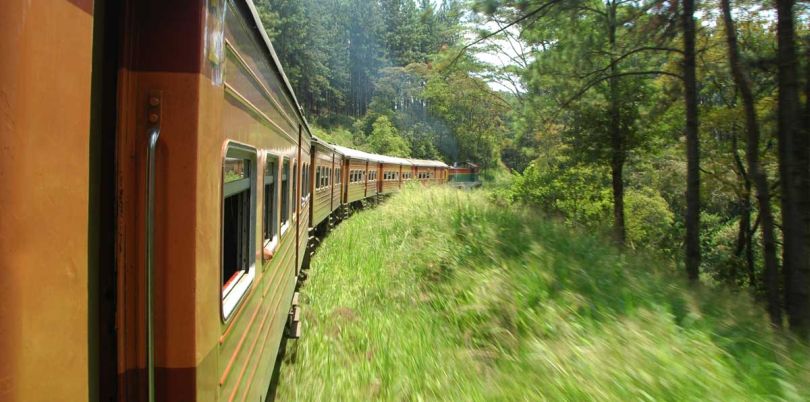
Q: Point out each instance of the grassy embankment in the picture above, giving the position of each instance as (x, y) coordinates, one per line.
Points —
(445, 295)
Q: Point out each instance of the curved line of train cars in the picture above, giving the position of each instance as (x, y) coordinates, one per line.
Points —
(159, 186)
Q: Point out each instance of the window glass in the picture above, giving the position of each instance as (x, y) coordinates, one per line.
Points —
(294, 188)
(238, 221)
(285, 192)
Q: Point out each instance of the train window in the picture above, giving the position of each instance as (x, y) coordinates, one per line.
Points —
(285, 193)
(270, 199)
(294, 189)
(321, 176)
(238, 221)
(322, 181)
(317, 177)
(308, 180)
(303, 183)
(337, 176)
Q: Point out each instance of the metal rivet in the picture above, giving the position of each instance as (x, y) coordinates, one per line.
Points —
(154, 101)
(153, 118)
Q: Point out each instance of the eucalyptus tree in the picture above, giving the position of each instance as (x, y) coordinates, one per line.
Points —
(743, 83)
(794, 172)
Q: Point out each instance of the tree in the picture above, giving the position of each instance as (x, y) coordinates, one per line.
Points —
(794, 175)
(385, 140)
(692, 141)
(742, 81)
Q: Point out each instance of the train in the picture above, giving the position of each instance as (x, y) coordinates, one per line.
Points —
(161, 188)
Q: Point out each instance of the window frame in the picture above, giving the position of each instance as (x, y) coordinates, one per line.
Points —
(232, 295)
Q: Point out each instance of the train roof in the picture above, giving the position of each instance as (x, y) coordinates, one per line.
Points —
(425, 162)
(320, 142)
(394, 160)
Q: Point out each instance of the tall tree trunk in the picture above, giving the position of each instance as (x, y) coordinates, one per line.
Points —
(791, 156)
(745, 234)
(617, 158)
(692, 143)
(741, 79)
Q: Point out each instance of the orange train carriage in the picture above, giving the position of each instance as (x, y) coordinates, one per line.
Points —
(161, 182)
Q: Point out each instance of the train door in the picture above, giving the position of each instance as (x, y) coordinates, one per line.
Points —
(103, 357)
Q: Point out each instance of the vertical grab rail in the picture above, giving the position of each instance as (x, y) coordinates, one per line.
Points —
(152, 139)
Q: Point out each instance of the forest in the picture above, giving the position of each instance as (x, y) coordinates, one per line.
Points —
(680, 130)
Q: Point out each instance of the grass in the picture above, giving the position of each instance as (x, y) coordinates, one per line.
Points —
(447, 295)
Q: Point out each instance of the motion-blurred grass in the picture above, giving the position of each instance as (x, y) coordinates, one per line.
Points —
(446, 295)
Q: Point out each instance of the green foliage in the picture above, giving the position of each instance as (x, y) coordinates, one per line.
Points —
(443, 295)
(577, 192)
(335, 135)
(385, 139)
(649, 220)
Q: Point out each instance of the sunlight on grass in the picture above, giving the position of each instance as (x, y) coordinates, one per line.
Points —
(444, 294)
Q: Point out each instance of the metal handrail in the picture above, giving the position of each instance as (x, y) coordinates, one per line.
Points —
(152, 138)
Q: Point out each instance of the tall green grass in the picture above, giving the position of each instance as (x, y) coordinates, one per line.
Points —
(446, 295)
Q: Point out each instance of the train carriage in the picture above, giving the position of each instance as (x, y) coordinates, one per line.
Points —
(356, 165)
(372, 176)
(323, 167)
(430, 172)
(337, 181)
(392, 171)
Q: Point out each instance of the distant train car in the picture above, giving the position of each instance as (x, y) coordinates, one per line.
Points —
(429, 172)
(464, 175)
(392, 173)
(323, 170)
(355, 165)
(162, 182)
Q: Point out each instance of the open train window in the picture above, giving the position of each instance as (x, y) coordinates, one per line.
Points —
(294, 188)
(304, 183)
(285, 194)
(337, 176)
(322, 181)
(238, 221)
(270, 200)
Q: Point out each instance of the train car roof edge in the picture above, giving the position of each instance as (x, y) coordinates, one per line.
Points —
(277, 64)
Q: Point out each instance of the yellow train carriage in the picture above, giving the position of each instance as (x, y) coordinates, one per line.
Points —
(393, 171)
(357, 165)
(323, 171)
